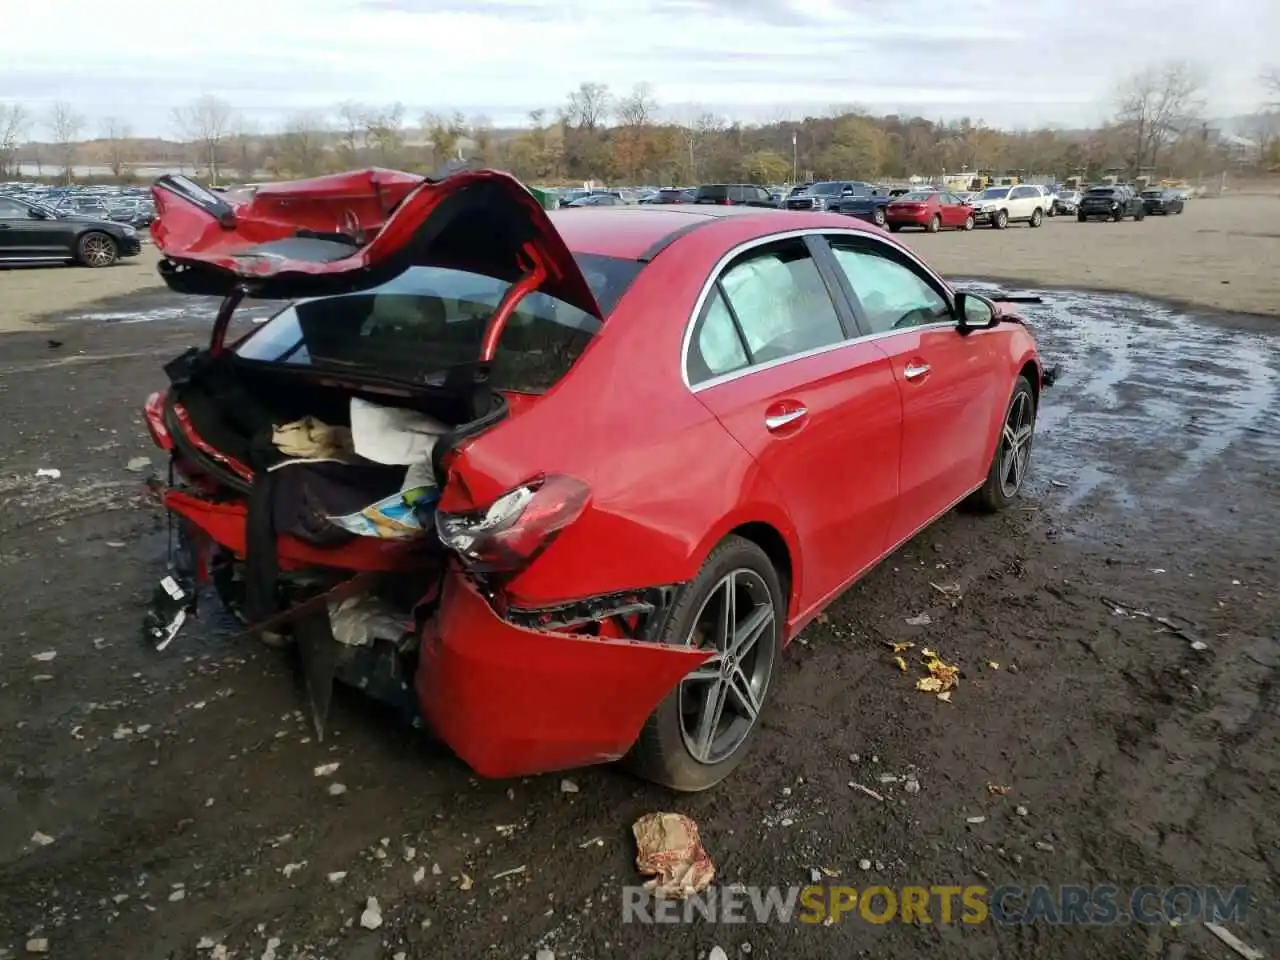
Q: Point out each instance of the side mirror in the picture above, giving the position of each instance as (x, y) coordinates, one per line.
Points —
(975, 312)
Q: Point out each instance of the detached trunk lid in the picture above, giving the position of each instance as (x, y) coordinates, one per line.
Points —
(358, 230)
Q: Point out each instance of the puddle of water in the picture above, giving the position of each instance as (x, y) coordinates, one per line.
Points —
(1147, 400)
(201, 310)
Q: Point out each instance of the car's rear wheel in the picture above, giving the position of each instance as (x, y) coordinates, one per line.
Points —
(1037, 217)
(935, 224)
(97, 250)
(1140, 215)
(878, 217)
(1081, 217)
(701, 731)
(895, 227)
(1000, 219)
(969, 222)
(1012, 458)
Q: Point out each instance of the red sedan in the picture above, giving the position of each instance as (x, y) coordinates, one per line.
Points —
(930, 210)
(664, 440)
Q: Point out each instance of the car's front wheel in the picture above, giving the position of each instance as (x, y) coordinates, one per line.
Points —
(935, 224)
(1012, 458)
(1000, 219)
(969, 222)
(1080, 217)
(97, 250)
(1037, 218)
(735, 608)
(878, 216)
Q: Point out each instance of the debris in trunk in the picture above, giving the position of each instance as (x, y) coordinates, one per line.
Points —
(669, 850)
(1234, 942)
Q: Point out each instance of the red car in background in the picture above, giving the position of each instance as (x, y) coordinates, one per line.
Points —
(673, 435)
(931, 210)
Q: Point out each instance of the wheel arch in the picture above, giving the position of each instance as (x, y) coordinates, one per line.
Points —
(770, 528)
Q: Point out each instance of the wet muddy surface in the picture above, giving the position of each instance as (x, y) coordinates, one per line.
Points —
(1118, 633)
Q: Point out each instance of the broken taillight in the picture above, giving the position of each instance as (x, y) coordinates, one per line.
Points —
(507, 535)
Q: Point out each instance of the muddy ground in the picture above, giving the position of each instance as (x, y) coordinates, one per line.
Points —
(179, 790)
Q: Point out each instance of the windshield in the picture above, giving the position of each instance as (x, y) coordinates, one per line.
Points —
(1153, 193)
(1101, 191)
(995, 193)
(429, 320)
(916, 197)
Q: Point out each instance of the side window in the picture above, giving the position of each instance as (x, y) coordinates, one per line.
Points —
(781, 302)
(892, 295)
(762, 194)
(716, 348)
(769, 304)
(12, 210)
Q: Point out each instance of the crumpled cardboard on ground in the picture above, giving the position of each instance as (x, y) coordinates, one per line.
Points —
(669, 850)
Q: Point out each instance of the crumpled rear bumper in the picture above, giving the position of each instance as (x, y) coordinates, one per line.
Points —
(510, 701)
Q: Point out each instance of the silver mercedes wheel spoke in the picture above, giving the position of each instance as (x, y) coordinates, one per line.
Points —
(740, 686)
(709, 718)
(748, 632)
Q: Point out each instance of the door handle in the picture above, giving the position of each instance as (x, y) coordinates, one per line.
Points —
(779, 420)
(915, 371)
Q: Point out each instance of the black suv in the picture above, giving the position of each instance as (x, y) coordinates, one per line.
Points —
(734, 194)
(1110, 203)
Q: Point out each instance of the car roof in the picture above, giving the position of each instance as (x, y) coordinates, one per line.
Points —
(641, 232)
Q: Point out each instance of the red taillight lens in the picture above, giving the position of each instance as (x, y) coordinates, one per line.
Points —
(153, 413)
(508, 535)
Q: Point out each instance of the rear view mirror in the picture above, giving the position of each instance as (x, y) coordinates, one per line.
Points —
(975, 312)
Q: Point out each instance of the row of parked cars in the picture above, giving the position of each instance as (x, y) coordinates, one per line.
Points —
(928, 208)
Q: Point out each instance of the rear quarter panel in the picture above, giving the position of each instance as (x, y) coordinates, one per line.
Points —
(667, 480)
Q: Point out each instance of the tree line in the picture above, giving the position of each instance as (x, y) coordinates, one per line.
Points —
(1157, 126)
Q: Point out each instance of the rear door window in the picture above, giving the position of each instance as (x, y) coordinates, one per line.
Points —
(428, 320)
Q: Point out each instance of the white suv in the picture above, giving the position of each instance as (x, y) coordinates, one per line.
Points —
(1001, 206)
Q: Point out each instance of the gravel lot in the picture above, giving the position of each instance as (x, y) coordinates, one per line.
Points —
(179, 792)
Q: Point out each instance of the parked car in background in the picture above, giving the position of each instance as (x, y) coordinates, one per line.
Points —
(866, 202)
(597, 200)
(734, 194)
(1067, 201)
(805, 395)
(930, 210)
(826, 194)
(1162, 202)
(1001, 206)
(1110, 203)
(137, 213)
(673, 195)
(30, 233)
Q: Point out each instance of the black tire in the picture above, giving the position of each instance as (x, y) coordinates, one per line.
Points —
(877, 216)
(1118, 215)
(1037, 218)
(969, 222)
(895, 227)
(662, 752)
(1140, 216)
(1081, 217)
(935, 224)
(96, 249)
(1000, 219)
(996, 493)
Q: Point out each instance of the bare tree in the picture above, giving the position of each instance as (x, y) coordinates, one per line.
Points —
(14, 124)
(588, 106)
(698, 126)
(639, 107)
(384, 133)
(207, 121)
(245, 148)
(117, 145)
(1271, 82)
(1156, 105)
(352, 130)
(302, 144)
(66, 126)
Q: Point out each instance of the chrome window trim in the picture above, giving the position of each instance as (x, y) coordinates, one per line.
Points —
(747, 245)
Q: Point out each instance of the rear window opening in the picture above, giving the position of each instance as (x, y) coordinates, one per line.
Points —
(430, 320)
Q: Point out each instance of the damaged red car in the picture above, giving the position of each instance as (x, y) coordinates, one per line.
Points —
(562, 485)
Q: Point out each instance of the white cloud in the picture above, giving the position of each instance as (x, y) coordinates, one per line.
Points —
(761, 59)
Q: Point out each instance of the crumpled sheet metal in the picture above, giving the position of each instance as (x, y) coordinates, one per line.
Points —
(669, 851)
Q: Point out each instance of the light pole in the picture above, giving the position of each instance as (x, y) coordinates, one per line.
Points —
(794, 156)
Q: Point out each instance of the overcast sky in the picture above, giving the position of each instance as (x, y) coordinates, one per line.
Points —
(1043, 62)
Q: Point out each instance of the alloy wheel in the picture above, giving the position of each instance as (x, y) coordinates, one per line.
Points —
(878, 217)
(98, 251)
(720, 701)
(1015, 444)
